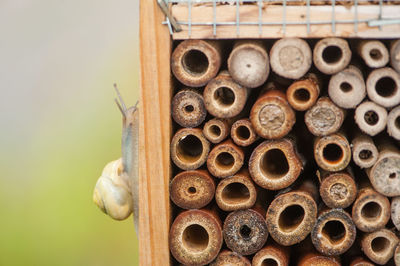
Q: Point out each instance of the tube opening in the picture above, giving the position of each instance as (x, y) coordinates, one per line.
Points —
(380, 244)
(189, 148)
(365, 155)
(225, 160)
(392, 175)
(346, 87)
(333, 153)
(291, 217)
(235, 193)
(192, 190)
(371, 118)
(269, 262)
(215, 131)
(397, 122)
(243, 132)
(245, 231)
(189, 108)
(375, 54)
(224, 96)
(332, 54)
(302, 95)
(274, 163)
(386, 87)
(195, 238)
(371, 210)
(335, 231)
(195, 62)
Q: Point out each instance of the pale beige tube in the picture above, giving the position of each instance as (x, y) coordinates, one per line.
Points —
(370, 118)
(373, 52)
(383, 87)
(331, 55)
(393, 123)
(365, 153)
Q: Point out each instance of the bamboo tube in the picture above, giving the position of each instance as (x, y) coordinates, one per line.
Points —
(397, 255)
(395, 212)
(365, 152)
(236, 192)
(227, 257)
(275, 164)
(347, 87)
(189, 148)
(271, 115)
(334, 232)
(242, 133)
(338, 190)
(395, 55)
(292, 215)
(383, 87)
(332, 152)
(291, 58)
(373, 52)
(248, 63)
(360, 261)
(379, 246)
(225, 159)
(272, 254)
(303, 93)
(223, 97)
(393, 123)
(370, 118)
(187, 108)
(195, 237)
(308, 256)
(192, 189)
(331, 55)
(324, 117)
(385, 174)
(195, 62)
(216, 130)
(245, 231)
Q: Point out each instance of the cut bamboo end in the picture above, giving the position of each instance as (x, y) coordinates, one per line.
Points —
(195, 62)
(365, 152)
(331, 55)
(338, 190)
(242, 133)
(334, 232)
(332, 153)
(303, 94)
(373, 52)
(324, 117)
(189, 148)
(291, 58)
(225, 159)
(192, 189)
(393, 123)
(383, 87)
(316, 259)
(195, 237)
(271, 115)
(371, 210)
(227, 257)
(223, 97)
(187, 108)
(347, 88)
(272, 255)
(216, 130)
(397, 256)
(395, 212)
(379, 246)
(370, 118)
(245, 231)
(395, 55)
(236, 193)
(248, 63)
(360, 261)
(275, 164)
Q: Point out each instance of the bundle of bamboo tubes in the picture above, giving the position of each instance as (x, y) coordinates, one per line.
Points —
(286, 152)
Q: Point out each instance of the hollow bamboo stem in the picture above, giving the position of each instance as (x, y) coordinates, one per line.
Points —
(373, 52)
(216, 130)
(272, 254)
(397, 256)
(225, 159)
(187, 108)
(243, 133)
(395, 55)
(302, 94)
(393, 123)
(395, 212)
(379, 246)
(370, 118)
(383, 87)
(227, 257)
(365, 152)
(360, 261)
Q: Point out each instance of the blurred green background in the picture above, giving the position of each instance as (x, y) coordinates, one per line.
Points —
(60, 126)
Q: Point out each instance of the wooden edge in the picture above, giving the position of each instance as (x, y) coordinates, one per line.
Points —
(154, 136)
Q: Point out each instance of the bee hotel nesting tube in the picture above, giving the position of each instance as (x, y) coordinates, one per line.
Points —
(187, 108)
(393, 123)
(242, 133)
(379, 246)
(373, 52)
(383, 87)
(272, 255)
(216, 130)
(225, 159)
(370, 118)
(303, 93)
(365, 152)
(227, 257)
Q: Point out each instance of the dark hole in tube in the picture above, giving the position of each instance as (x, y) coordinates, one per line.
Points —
(375, 54)
(192, 190)
(333, 153)
(269, 262)
(371, 118)
(397, 122)
(245, 231)
(346, 87)
(235, 192)
(334, 231)
(224, 96)
(380, 244)
(189, 108)
(189, 148)
(302, 95)
(243, 132)
(291, 218)
(195, 62)
(332, 54)
(274, 164)
(386, 87)
(225, 160)
(365, 154)
(195, 238)
(215, 131)
(371, 210)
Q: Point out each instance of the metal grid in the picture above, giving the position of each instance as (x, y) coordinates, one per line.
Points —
(379, 21)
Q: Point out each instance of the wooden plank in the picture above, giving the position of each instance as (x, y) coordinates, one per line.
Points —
(155, 128)
(274, 13)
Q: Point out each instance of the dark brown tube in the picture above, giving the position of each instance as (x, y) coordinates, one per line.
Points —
(303, 93)
(216, 130)
(370, 118)
(195, 62)
(393, 123)
(272, 255)
(192, 189)
(225, 159)
(187, 108)
(291, 57)
(292, 215)
(338, 190)
(324, 117)
(365, 152)
(195, 237)
(242, 133)
(248, 63)
(360, 261)
(245, 231)
(373, 52)
(347, 88)
(316, 259)
(189, 148)
(223, 97)
(275, 164)
(395, 212)
(332, 153)
(227, 257)
(331, 55)
(395, 55)
(379, 246)
(236, 193)
(334, 232)
(397, 255)
(383, 87)
(271, 115)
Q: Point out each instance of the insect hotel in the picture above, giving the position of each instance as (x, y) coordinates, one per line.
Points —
(269, 132)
